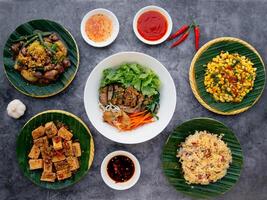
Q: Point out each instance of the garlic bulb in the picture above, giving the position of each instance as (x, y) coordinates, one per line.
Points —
(16, 109)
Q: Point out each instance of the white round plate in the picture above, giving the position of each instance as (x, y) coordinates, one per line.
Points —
(143, 133)
(115, 24)
(125, 185)
(164, 13)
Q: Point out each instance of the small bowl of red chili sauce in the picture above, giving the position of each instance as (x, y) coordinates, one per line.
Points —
(152, 25)
(99, 27)
(120, 170)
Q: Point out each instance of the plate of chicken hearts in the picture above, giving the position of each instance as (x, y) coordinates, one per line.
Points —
(55, 149)
(130, 97)
(40, 58)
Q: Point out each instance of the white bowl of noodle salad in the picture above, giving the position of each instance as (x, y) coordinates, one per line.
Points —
(164, 87)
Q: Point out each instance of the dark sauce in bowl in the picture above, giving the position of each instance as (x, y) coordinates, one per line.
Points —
(120, 168)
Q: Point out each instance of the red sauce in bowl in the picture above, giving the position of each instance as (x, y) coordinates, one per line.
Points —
(152, 25)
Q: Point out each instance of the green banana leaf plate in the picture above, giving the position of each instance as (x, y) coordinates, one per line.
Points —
(172, 168)
(197, 73)
(34, 90)
(80, 132)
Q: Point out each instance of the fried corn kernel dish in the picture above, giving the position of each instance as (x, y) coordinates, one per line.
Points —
(229, 77)
(54, 152)
(204, 157)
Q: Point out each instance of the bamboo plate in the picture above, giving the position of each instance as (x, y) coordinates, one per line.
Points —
(197, 73)
(172, 168)
(34, 90)
(80, 131)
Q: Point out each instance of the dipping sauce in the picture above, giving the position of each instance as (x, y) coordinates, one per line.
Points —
(152, 25)
(98, 28)
(120, 168)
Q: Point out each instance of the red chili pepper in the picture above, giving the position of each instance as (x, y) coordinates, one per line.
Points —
(179, 32)
(197, 36)
(181, 39)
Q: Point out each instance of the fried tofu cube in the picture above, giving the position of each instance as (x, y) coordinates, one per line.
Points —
(48, 176)
(48, 165)
(57, 143)
(41, 142)
(73, 163)
(64, 133)
(46, 152)
(50, 129)
(58, 156)
(38, 132)
(35, 152)
(63, 174)
(36, 164)
(67, 146)
(61, 165)
(76, 149)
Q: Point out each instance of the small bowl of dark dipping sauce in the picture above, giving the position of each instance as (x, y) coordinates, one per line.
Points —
(120, 170)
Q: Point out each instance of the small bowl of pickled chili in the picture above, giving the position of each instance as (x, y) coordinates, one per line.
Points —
(120, 170)
(99, 27)
(152, 25)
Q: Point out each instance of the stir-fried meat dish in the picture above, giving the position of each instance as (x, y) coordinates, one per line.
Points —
(40, 57)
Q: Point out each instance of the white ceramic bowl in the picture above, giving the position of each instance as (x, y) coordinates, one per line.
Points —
(115, 24)
(125, 185)
(164, 13)
(147, 131)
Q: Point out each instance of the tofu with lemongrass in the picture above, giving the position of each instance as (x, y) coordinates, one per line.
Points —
(73, 163)
(61, 165)
(67, 146)
(36, 164)
(48, 176)
(63, 174)
(41, 142)
(76, 149)
(54, 152)
(48, 166)
(58, 156)
(64, 133)
(47, 152)
(34, 153)
(38, 132)
(57, 143)
(50, 129)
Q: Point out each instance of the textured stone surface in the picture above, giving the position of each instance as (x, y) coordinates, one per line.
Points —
(243, 19)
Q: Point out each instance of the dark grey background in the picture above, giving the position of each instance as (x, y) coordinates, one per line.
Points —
(243, 19)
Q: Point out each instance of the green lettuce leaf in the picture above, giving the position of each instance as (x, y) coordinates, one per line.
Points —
(141, 78)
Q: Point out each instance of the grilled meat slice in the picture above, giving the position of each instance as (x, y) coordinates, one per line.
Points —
(110, 92)
(103, 95)
(137, 108)
(117, 98)
(130, 97)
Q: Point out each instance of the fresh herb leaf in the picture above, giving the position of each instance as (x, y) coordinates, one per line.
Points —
(142, 79)
(54, 47)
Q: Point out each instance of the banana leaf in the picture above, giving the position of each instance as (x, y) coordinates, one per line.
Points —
(172, 167)
(80, 133)
(34, 90)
